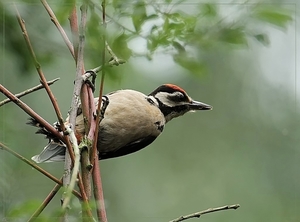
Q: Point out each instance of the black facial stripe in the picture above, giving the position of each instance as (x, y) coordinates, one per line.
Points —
(166, 110)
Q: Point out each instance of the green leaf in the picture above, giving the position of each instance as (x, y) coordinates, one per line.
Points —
(139, 15)
(235, 36)
(262, 38)
(273, 15)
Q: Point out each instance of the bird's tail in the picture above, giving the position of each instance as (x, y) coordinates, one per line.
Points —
(53, 152)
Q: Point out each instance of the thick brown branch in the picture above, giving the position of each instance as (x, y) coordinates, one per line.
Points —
(98, 190)
(210, 210)
(78, 48)
(28, 91)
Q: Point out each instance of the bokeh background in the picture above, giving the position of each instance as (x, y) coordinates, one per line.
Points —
(245, 151)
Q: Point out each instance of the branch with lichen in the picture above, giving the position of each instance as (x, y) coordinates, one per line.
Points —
(75, 169)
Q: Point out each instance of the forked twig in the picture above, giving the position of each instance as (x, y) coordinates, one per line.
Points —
(210, 210)
(28, 91)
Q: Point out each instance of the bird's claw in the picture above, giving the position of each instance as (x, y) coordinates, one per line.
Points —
(91, 83)
(105, 102)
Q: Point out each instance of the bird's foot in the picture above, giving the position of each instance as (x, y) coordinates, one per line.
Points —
(91, 83)
(105, 102)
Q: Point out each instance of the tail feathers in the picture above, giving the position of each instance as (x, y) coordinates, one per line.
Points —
(43, 130)
(53, 152)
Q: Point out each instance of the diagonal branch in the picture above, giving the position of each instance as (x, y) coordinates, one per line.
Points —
(47, 200)
(50, 176)
(64, 138)
(38, 67)
(44, 81)
(28, 91)
(59, 27)
(210, 210)
(30, 112)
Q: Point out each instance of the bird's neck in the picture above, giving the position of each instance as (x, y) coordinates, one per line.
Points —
(168, 112)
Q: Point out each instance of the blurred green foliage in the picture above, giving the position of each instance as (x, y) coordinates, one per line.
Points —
(165, 26)
(244, 151)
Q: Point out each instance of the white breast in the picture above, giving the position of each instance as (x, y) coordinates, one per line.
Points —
(128, 118)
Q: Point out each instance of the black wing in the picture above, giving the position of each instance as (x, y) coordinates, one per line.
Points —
(128, 149)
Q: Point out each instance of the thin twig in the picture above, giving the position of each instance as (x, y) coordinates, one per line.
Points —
(59, 27)
(47, 200)
(74, 30)
(210, 210)
(30, 112)
(28, 91)
(50, 176)
(113, 55)
(38, 68)
(44, 81)
(55, 105)
(110, 63)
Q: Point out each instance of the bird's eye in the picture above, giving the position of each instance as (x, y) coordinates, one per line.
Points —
(178, 97)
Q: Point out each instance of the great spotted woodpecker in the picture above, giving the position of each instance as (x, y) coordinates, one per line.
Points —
(132, 121)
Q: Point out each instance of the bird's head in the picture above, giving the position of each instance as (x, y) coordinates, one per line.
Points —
(173, 101)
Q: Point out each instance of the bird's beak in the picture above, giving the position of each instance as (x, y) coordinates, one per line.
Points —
(195, 105)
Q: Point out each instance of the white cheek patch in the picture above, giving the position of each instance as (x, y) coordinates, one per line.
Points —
(163, 97)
